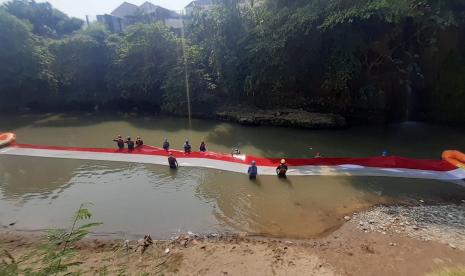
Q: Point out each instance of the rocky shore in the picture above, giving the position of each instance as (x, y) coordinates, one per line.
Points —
(440, 223)
(286, 117)
(386, 240)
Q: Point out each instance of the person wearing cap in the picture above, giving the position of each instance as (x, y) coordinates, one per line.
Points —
(203, 147)
(253, 170)
(119, 142)
(172, 161)
(139, 142)
(130, 143)
(166, 144)
(187, 147)
(282, 169)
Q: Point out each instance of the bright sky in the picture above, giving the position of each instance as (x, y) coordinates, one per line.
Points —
(81, 8)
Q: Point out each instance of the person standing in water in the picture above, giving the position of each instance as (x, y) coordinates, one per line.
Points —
(172, 162)
(139, 142)
(166, 144)
(253, 170)
(130, 143)
(119, 142)
(203, 147)
(281, 170)
(187, 147)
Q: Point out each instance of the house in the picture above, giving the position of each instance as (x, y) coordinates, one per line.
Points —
(199, 5)
(127, 14)
(208, 4)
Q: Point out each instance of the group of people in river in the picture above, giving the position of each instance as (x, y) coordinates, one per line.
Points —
(252, 171)
(120, 142)
(187, 146)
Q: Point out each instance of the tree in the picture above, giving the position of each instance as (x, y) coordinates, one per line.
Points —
(143, 58)
(23, 71)
(46, 20)
(80, 63)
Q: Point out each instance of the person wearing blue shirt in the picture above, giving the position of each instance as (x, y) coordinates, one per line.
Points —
(253, 170)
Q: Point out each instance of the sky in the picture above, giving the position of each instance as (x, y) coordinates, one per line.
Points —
(81, 8)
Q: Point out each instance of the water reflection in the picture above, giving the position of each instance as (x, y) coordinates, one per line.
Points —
(134, 198)
(298, 207)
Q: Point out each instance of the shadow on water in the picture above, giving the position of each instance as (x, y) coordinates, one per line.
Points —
(23, 177)
(168, 124)
(202, 199)
(400, 139)
(405, 189)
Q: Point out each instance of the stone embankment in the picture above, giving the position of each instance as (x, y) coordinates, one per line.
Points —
(286, 117)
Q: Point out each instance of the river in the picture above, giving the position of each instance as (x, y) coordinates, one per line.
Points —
(133, 199)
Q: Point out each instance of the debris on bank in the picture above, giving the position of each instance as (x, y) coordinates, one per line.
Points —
(441, 223)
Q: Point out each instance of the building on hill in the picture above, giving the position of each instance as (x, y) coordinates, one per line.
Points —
(127, 14)
(199, 5)
(208, 4)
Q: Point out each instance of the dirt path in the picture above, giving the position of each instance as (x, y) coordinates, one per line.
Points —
(348, 251)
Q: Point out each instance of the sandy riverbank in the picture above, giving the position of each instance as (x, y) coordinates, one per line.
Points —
(375, 242)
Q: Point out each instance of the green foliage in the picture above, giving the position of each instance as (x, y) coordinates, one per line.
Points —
(142, 60)
(80, 63)
(46, 20)
(56, 253)
(326, 55)
(448, 98)
(22, 61)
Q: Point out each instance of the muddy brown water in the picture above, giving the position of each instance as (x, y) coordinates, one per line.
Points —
(132, 199)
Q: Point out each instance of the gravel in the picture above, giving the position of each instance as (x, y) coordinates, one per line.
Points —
(441, 223)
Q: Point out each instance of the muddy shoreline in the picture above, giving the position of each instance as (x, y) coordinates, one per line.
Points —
(378, 241)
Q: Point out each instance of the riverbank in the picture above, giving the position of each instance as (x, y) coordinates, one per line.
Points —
(284, 117)
(359, 247)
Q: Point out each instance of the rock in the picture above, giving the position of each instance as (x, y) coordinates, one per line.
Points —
(360, 223)
(371, 221)
(452, 246)
(415, 227)
(347, 218)
(195, 242)
(126, 245)
(287, 117)
(167, 251)
(422, 201)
